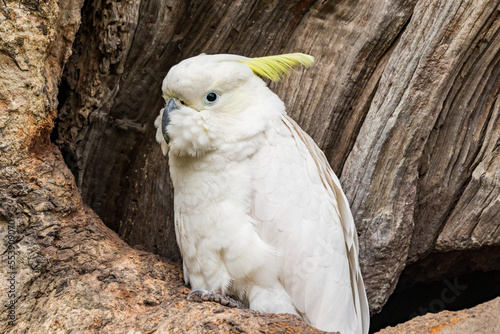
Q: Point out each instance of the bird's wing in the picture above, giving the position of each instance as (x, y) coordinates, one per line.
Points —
(301, 210)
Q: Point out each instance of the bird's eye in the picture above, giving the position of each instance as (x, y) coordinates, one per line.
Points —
(211, 97)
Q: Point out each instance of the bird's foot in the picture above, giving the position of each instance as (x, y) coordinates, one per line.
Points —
(200, 295)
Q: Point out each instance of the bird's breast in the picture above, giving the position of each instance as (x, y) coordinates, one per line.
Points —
(203, 184)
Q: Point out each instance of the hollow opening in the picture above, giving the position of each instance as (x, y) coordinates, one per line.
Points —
(452, 292)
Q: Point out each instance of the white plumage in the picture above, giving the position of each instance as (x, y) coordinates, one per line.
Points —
(259, 214)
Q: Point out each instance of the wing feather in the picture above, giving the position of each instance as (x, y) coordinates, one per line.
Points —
(300, 209)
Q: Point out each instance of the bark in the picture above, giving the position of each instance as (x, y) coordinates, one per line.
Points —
(480, 319)
(403, 99)
(429, 144)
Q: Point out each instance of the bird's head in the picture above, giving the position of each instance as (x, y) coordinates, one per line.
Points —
(217, 99)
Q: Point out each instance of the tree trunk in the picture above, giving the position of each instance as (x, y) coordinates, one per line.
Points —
(62, 269)
(403, 99)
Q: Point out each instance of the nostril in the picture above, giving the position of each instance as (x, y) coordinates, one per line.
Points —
(171, 105)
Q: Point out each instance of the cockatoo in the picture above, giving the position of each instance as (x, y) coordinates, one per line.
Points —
(259, 213)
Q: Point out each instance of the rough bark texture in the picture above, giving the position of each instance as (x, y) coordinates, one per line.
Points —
(421, 175)
(480, 319)
(403, 98)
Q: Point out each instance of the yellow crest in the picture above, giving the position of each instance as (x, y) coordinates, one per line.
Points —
(274, 67)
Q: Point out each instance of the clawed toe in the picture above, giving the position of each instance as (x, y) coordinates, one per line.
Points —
(198, 295)
(201, 295)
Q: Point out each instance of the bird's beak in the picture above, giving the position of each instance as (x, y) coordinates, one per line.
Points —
(166, 118)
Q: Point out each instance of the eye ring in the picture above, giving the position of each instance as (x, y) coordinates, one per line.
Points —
(211, 97)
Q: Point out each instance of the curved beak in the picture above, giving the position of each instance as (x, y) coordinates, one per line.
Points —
(165, 119)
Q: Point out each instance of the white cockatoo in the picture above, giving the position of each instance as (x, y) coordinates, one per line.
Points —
(259, 213)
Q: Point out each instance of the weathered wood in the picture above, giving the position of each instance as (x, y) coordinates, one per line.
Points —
(423, 136)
